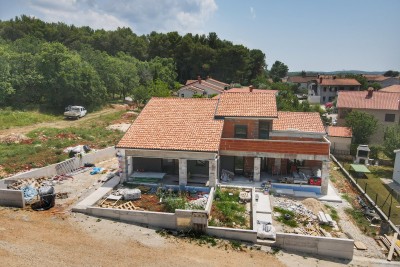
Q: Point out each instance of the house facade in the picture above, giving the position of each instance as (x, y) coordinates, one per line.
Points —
(243, 133)
(302, 81)
(340, 138)
(207, 88)
(384, 106)
(325, 88)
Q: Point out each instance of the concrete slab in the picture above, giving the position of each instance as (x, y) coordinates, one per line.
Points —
(263, 205)
(332, 196)
(305, 194)
(264, 217)
(97, 195)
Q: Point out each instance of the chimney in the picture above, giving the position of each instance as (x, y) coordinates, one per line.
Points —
(251, 88)
(370, 92)
(320, 79)
(334, 77)
(199, 79)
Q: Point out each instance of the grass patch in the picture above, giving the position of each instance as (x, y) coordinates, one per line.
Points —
(227, 211)
(12, 118)
(362, 222)
(284, 217)
(332, 212)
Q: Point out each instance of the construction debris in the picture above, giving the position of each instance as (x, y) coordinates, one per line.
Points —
(34, 182)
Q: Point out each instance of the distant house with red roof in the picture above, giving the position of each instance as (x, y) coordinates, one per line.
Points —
(391, 89)
(383, 81)
(190, 141)
(340, 138)
(385, 106)
(325, 88)
(201, 87)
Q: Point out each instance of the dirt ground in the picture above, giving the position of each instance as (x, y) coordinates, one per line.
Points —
(56, 124)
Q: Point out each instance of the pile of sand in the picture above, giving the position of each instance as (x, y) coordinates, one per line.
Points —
(314, 205)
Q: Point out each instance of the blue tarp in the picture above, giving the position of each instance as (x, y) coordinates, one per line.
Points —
(29, 192)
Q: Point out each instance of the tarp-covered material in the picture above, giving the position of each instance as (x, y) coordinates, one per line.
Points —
(359, 168)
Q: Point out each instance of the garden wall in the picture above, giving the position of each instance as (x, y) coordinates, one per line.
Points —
(12, 198)
(324, 246)
(231, 233)
(155, 219)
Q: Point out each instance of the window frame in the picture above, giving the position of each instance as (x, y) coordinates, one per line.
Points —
(238, 134)
(264, 133)
(390, 115)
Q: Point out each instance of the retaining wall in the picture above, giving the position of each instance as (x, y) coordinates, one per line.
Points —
(324, 246)
(68, 165)
(12, 198)
(156, 219)
(230, 233)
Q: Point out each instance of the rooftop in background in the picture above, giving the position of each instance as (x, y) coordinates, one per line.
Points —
(361, 100)
(377, 78)
(298, 121)
(301, 79)
(391, 89)
(175, 124)
(332, 81)
(246, 89)
(200, 85)
(247, 105)
(336, 131)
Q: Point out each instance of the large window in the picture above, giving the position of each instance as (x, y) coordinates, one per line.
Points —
(390, 117)
(240, 131)
(263, 129)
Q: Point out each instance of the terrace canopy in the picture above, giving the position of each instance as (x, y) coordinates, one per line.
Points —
(360, 169)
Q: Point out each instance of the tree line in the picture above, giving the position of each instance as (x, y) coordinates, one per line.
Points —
(193, 54)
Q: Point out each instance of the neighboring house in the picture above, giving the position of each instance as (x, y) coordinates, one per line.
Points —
(391, 89)
(325, 88)
(382, 80)
(340, 138)
(396, 168)
(201, 87)
(382, 105)
(194, 139)
(302, 81)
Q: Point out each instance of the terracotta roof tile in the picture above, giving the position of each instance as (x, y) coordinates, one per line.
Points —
(338, 82)
(175, 124)
(391, 89)
(246, 105)
(301, 79)
(247, 90)
(300, 121)
(337, 131)
(359, 100)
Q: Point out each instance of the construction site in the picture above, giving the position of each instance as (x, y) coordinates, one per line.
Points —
(249, 214)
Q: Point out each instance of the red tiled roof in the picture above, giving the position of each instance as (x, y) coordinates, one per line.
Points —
(195, 85)
(301, 79)
(175, 124)
(391, 89)
(359, 100)
(246, 105)
(376, 78)
(337, 131)
(338, 82)
(300, 121)
(247, 90)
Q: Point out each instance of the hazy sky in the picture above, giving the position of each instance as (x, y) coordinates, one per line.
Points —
(321, 35)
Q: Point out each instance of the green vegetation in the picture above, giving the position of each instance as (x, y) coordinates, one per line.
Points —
(286, 217)
(173, 203)
(10, 118)
(332, 212)
(45, 146)
(392, 140)
(361, 221)
(226, 209)
(363, 126)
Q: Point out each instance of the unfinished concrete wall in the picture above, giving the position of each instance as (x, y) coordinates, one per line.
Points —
(154, 219)
(12, 198)
(67, 165)
(230, 233)
(324, 246)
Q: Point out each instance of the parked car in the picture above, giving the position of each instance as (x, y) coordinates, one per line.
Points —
(74, 112)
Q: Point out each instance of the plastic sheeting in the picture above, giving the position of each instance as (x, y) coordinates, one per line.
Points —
(29, 192)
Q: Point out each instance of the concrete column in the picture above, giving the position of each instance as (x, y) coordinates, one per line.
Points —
(213, 172)
(130, 165)
(183, 173)
(324, 177)
(123, 165)
(257, 169)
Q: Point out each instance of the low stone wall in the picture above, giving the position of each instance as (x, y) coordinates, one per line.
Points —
(12, 198)
(210, 200)
(68, 165)
(155, 219)
(230, 233)
(324, 246)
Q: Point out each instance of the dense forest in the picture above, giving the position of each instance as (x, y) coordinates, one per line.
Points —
(54, 64)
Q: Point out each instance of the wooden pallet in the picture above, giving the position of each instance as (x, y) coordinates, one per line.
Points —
(126, 206)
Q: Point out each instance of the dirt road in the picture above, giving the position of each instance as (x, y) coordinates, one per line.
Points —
(44, 239)
(57, 124)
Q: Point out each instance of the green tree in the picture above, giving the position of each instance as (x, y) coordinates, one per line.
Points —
(363, 126)
(391, 73)
(392, 140)
(278, 71)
